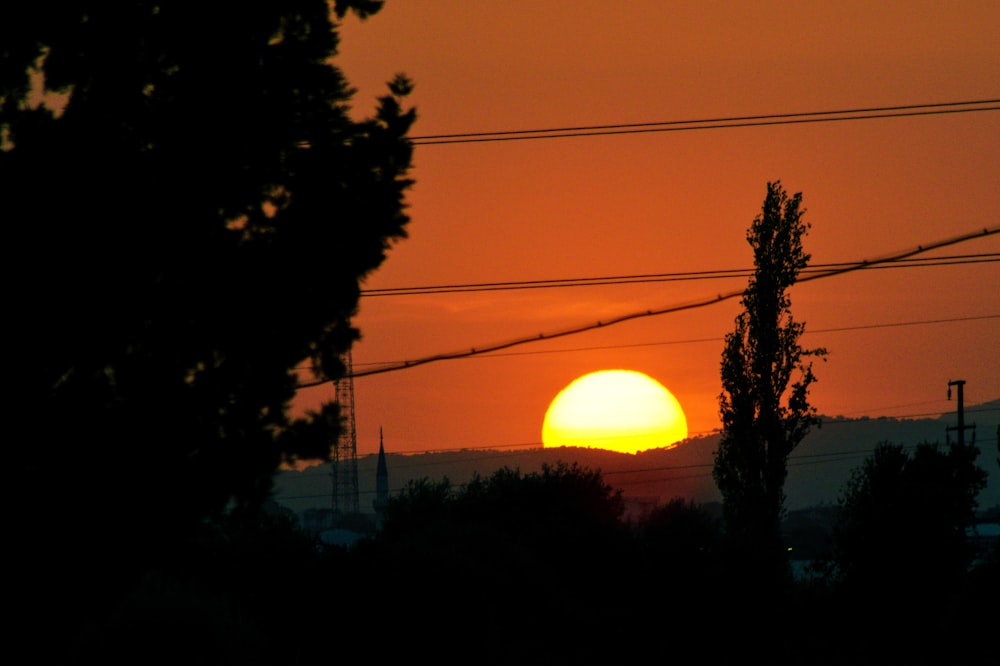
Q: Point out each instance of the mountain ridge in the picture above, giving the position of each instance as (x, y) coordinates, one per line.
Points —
(817, 469)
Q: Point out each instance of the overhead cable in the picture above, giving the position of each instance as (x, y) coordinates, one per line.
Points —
(869, 113)
(951, 260)
(687, 341)
(847, 268)
(794, 460)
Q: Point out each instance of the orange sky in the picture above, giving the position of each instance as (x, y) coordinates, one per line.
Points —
(676, 201)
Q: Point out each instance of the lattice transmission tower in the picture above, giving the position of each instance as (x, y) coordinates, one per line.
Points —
(345, 452)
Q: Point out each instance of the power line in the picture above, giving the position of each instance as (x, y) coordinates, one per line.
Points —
(885, 407)
(869, 113)
(795, 460)
(861, 327)
(581, 128)
(839, 329)
(979, 410)
(949, 260)
(847, 268)
(495, 451)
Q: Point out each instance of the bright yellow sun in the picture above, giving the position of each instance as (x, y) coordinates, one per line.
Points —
(618, 410)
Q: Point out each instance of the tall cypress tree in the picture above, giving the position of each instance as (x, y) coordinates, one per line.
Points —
(764, 417)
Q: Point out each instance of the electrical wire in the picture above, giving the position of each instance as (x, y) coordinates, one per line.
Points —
(910, 110)
(950, 260)
(846, 268)
(838, 329)
(494, 451)
(794, 460)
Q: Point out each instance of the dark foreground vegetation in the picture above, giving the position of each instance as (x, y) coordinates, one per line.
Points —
(203, 207)
(542, 568)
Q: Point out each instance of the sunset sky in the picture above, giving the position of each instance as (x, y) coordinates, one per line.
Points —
(667, 202)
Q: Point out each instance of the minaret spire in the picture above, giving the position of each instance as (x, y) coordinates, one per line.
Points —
(381, 482)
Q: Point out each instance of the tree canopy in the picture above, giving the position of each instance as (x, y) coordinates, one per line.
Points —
(193, 207)
(546, 551)
(901, 549)
(904, 516)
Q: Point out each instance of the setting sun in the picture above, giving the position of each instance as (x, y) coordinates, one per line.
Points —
(617, 410)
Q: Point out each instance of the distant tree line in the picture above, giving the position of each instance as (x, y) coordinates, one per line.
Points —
(544, 568)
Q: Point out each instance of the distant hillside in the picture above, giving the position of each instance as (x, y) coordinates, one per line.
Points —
(817, 470)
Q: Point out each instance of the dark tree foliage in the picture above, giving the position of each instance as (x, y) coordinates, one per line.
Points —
(191, 207)
(682, 537)
(237, 596)
(901, 549)
(679, 545)
(422, 509)
(764, 415)
(537, 566)
(562, 508)
(566, 511)
(903, 519)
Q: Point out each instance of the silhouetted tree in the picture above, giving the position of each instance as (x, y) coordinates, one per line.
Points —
(682, 538)
(192, 207)
(903, 518)
(547, 553)
(763, 417)
(679, 546)
(420, 515)
(563, 512)
(901, 547)
(237, 596)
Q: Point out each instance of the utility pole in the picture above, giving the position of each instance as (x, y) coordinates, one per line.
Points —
(961, 427)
